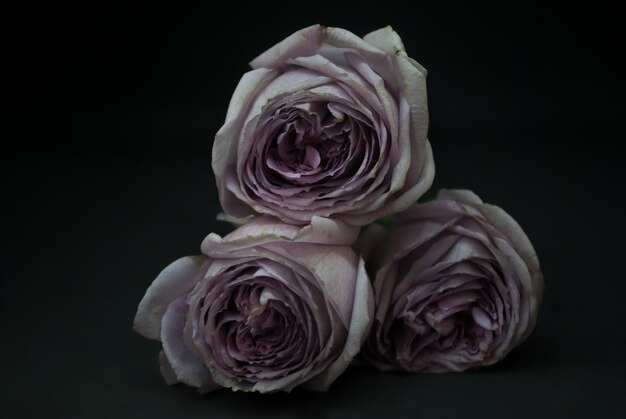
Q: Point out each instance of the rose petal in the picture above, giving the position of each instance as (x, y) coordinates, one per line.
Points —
(519, 240)
(166, 370)
(186, 364)
(226, 139)
(385, 39)
(360, 324)
(267, 229)
(335, 267)
(174, 281)
(301, 43)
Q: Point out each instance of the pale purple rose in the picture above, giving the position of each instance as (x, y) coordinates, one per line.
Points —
(457, 285)
(326, 124)
(267, 308)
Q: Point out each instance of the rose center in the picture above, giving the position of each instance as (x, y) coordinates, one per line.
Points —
(309, 142)
(459, 320)
(260, 329)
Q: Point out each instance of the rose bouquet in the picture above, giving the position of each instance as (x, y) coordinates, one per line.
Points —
(327, 134)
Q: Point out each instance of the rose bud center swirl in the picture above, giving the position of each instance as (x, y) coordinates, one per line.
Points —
(311, 148)
(257, 328)
(453, 317)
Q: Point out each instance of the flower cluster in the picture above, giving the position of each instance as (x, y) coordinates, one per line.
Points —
(325, 135)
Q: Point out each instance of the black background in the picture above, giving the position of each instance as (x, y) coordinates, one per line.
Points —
(106, 178)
